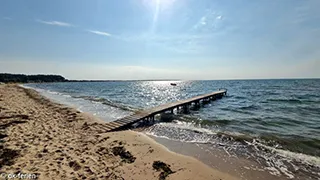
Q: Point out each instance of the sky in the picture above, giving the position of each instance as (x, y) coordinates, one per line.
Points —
(161, 39)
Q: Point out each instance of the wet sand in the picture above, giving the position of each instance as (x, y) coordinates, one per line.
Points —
(52, 141)
(219, 159)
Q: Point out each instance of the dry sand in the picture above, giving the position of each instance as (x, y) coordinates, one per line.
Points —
(57, 142)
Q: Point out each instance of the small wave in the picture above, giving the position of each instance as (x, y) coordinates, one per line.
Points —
(250, 107)
(205, 122)
(239, 137)
(54, 92)
(191, 133)
(300, 157)
(187, 126)
(181, 131)
(277, 121)
(276, 158)
(237, 110)
(109, 103)
(219, 121)
(280, 161)
(310, 146)
(271, 93)
(238, 97)
(286, 100)
(45, 91)
(25, 86)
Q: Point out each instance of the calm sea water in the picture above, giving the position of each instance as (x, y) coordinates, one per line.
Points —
(276, 122)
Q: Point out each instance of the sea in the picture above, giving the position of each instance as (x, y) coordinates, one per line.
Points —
(273, 122)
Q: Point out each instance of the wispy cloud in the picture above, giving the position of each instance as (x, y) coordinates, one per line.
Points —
(7, 18)
(55, 23)
(179, 43)
(219, 17)
(208, 23)
(99, 33)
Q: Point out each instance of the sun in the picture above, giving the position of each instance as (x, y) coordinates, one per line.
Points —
(156, 7)
(160, 4)
(165, 3)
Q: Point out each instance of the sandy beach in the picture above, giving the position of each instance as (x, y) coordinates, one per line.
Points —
(53, 141)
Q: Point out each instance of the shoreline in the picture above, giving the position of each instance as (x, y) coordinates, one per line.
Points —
(53, 141)
(219, 159)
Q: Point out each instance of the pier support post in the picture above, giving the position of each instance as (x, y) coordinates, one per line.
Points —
(148, 120)
(185, 108)
(197, 104)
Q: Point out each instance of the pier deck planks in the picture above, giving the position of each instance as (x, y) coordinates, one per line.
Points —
(141, 115)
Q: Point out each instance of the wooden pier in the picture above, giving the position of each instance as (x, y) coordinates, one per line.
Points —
(149, 114)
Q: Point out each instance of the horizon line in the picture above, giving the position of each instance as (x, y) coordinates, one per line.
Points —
(303, 78)
(167, 79)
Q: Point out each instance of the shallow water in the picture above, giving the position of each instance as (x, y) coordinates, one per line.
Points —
(276, 122)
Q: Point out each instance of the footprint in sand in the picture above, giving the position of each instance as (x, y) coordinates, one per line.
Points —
(74, 165)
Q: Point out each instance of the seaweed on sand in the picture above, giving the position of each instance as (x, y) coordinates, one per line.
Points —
(166, 171)
(126, 156)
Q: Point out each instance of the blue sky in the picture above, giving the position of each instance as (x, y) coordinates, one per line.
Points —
(155, 39)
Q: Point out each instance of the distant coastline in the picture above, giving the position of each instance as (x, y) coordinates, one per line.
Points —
(22, 78)
(45, 78)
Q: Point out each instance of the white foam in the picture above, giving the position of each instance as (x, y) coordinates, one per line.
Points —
(278, 162)
(183, 136)
(104, 112)
(187, 126)
(311, 160)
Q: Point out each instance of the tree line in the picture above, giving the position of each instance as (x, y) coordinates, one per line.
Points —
(22, 78)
